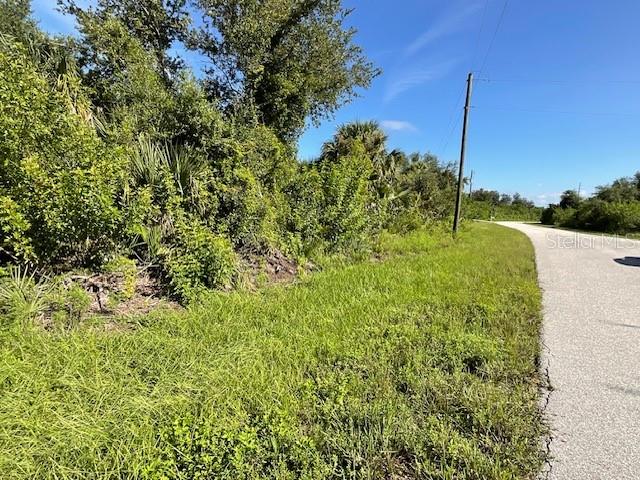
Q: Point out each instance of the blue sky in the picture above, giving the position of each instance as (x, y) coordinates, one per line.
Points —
(557, 103)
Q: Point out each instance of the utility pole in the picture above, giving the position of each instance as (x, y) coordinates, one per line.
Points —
(467, 106)
(579, 189)
(471, 184)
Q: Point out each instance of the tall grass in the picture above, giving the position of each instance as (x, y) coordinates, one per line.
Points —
(22, 295)
(422, 365)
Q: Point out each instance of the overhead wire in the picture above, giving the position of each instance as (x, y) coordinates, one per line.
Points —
(495, 34)
(444, 143)
(568, 112)
(557, 81)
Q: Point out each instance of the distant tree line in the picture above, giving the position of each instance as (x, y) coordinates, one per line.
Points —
(613, 208)
(484, 204)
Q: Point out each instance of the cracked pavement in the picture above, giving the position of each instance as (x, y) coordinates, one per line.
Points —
(591, 347)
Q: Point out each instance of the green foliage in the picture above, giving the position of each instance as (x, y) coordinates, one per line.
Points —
(483, 210)
(22, 295)
(489, 196)
(302, 222)
(110, 144)
(55, 171)
(77, 302)
(15, 19)
(67, 303)
(248, 212)
(126, 268)
(626, 189)
(368, 135)
(570, 199)
(291, 60)
(199, 259)
(614, 208)
(264, 444)
(428, 186)
(409, 367)
(155, 24)
(344, 215)
(14, 239)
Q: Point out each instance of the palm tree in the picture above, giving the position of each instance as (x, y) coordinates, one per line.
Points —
(369, 134)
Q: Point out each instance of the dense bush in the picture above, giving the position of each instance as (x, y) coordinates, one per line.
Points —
(485, 210)
(110, 146)
(614, 208)
(60, 183)
(199, 259)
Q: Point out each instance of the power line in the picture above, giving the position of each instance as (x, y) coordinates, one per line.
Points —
(446, 137)
(495, 34)
(479, 36)
(569, 112)
(451, 124)
(557, 81)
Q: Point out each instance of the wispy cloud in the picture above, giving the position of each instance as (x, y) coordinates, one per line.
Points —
(398, 126)
(451, 22)
(415, 78)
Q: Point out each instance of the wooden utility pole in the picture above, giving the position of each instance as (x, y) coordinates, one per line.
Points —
(467, 106)
(471, 184)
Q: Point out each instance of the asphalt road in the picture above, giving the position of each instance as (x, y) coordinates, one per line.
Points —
(591, 347)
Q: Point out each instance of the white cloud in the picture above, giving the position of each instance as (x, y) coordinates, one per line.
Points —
(545, 198)
(415, 78)
(452, 22)
(398, 126)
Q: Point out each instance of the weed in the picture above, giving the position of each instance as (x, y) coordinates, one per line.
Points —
(421, 365)
(22, 295)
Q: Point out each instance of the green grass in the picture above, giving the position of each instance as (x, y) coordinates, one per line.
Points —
(419, 366)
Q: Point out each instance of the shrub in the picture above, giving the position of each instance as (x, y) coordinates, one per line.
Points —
(14, 240)
(247, 212)
(198, 259)
(77, 302)
(302, 220)
(346, 201)
(127, 269)
(60, 181)
(405, 220)
(547, 215)
(622, 217)
(67, 303)
(616, 217)
(563, 216)
(23, 295)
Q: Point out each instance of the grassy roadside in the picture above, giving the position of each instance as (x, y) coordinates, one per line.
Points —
(419, 366)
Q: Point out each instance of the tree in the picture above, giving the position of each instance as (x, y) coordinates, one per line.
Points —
(482, 195)
(621, 190)
(570, 199)
(368, 134)
(521, 201)
(505, 199)
(15, 19)
(156, 24)
(290, 60)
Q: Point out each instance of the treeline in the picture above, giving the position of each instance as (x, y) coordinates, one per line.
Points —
(492, 205)
(613, 208)
(113, 150)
